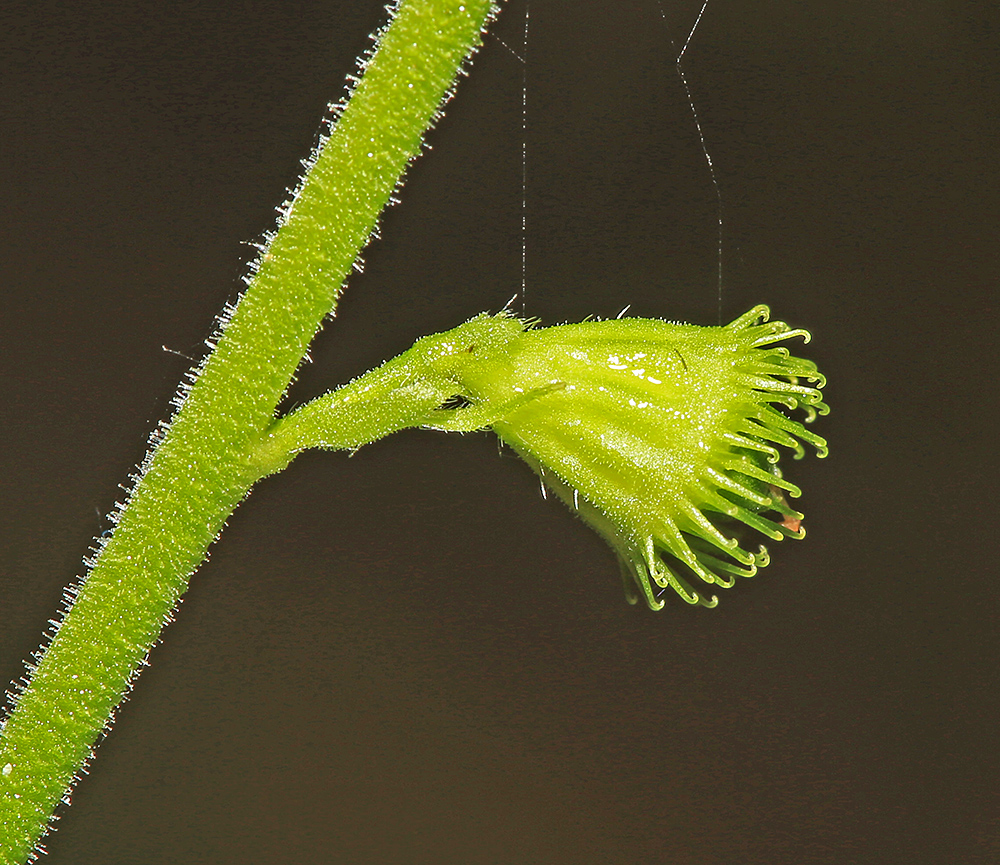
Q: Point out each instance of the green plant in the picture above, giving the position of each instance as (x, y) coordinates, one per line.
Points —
(530, 385)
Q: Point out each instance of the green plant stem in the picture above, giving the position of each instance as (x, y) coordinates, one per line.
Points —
(404, 392)
(212, 452)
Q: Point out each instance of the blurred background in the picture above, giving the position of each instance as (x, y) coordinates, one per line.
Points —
(408, 655)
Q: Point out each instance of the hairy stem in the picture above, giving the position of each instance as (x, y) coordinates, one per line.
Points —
(404, 392)
(210, 455)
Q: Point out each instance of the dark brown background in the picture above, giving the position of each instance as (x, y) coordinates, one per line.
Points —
(408, 656)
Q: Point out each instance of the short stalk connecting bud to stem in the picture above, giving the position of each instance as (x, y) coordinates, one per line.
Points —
(661, 436)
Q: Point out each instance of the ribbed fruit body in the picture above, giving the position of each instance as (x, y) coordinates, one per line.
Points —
(660, 435)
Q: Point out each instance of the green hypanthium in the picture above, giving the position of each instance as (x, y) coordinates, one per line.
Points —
(663, 437)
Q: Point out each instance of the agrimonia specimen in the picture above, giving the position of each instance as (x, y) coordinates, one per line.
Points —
(662, 436)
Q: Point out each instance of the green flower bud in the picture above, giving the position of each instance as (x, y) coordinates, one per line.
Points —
(661, 436)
